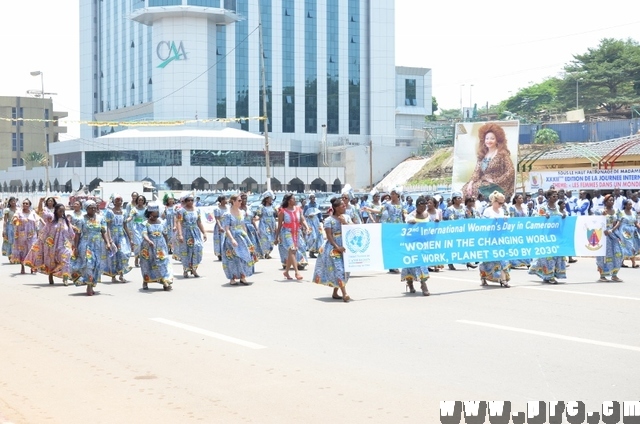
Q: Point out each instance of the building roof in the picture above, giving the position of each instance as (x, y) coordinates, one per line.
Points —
(185, 131)
(597, 148)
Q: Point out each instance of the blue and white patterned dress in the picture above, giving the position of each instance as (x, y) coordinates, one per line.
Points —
(252, 232)
(551, 267)
(609, 265)
(266, 228)
(237, 261)
(218, 230)
(416, 273)
(628, 233)
(392, 213)
(169, 217)
(190, 249)
(495, 271)
(329, 267)
(8, 232)
(155, 263)
(117, 264)
(136, 227)
(515, 213)
(88, 266)
(315, 239)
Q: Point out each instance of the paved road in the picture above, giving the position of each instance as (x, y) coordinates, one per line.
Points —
(285, 352)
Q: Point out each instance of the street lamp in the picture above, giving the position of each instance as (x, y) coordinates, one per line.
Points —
(461, 107)
(44, 125)
(470, 96)
(577, 91)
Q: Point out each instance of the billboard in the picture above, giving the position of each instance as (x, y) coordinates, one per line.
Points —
(484, 158)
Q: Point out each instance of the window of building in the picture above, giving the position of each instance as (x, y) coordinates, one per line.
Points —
(410, 92)
(14, 116)
(14, 142)
(153, 3)
(14, 161)
(46, 117)
(234, 158)
(21, 142)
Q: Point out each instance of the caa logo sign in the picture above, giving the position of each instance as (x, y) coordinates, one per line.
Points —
(167, 52)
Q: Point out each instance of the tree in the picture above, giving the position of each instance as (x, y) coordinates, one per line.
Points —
(535, 101)
(546, 136)
(35, 158)
(449, 115)
(608, 75)
(434, 108)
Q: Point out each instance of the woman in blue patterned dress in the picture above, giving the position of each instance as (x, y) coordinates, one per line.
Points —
(453, 212)
(417, 273)
(218, 230)
(136, 226)
(518, 209)
(191, 234)
(90, 249)
(393, 212)
(250, 221)
(552, 267)
(609, 265)
(628, 232)
(315, 238)
(118, 263)
(168, 217)
(154, 253)
(239, 255)
(8, 230)
(267, 224)
(495, 271)
(77, 214)
(329, 268)
(290, 236)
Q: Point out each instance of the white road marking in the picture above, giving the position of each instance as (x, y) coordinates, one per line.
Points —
(552, 335)
(582, 293)
(208, 333)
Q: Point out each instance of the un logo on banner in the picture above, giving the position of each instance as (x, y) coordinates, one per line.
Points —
(358, 240)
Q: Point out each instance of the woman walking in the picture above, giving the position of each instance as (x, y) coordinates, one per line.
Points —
(136, 226)
(218, 230)
(495, 271)
(315, 238)
(77, 215)
(609, 265)
(250, 221)
(453, 212)
(90, 249)
(553, 267)
(417, 273)
(168, 217)
(155, 263)
(239, 255)
(118, 263)
(267, 223)
(25, 223)
(8, 230)
(628, 232)
(393, 212)
(191, 235)
(329, 268)
(289, 235)
(519, 210)
(51, 253)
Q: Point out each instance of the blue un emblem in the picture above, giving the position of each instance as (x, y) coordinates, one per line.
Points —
(358, 240)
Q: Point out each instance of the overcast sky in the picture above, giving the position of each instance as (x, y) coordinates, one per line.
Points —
(497, 46)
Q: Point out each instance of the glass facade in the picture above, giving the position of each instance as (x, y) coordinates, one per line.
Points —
(267, 39)
(242, 66)
(141, 158)
(234, 158)
(354, 66)
(303, 160)
(221, 74)
(288, 67)
(410, 92)
(311, 68)
(153, 3)
(333, 74)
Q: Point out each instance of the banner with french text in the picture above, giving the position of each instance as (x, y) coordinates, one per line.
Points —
(370, 247)
(586, 179)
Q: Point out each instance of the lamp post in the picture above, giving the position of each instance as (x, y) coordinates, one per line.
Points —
(44, 125)
(577, 90)
(471, 96)
(461, 107)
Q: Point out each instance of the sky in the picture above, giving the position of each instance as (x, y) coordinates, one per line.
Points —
(478, 51)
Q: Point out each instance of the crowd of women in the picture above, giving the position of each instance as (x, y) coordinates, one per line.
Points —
(83, 245)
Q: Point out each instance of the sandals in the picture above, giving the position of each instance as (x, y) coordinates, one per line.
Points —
(194, 273)
(504, 284)
(145, 286)
(244, 282)
(185, 274)
(167, 287)
(233, 283)
(346, 299)
(484, 282)
(604, 280)
(121, 279)
(287, 276)
(616, 279)
(336, 296)
(299, 277)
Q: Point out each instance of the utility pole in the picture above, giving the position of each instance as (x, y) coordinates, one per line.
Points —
(265, 116)
(371, 164)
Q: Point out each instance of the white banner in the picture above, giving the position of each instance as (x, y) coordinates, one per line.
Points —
(586, 179)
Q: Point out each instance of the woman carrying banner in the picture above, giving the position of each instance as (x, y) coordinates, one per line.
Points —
(494, 170)
(453, 212)
(628, 232)
(609, 265)
(553, 267)
(329, 268)
(495, 271)
(417, 273)
(518, 209)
